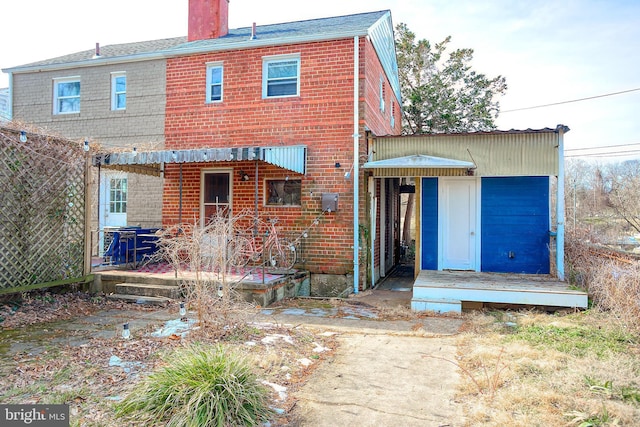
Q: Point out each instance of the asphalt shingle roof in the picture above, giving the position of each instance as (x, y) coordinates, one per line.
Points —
(277, 33)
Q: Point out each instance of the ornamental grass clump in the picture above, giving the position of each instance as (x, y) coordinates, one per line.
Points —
(200, 386)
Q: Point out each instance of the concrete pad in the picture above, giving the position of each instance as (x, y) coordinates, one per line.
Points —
(383, 380)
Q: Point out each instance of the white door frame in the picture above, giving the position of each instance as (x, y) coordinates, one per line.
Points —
(474, 224)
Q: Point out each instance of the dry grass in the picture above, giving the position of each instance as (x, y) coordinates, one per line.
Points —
(611, 278)
(511, 378)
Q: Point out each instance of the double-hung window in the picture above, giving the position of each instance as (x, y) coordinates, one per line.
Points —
(66, 95)
(281, 76)
(392, 119)
(118, 91)
(215, 73)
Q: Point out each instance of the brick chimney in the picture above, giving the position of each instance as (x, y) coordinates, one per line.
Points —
(208, 19)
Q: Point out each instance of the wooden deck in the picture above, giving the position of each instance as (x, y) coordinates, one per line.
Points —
(444, 291)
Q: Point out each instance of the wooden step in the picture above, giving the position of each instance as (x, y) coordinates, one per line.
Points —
(145, 289)
(140, 299)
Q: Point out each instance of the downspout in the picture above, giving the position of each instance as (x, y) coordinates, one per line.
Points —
(560, 204)
(180, 199)
(356, 165)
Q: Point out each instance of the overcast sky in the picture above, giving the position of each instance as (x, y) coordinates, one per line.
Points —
(549, 51)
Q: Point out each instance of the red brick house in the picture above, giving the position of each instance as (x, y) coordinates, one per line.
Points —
(275, 119)
(311, 86)
(271, 118)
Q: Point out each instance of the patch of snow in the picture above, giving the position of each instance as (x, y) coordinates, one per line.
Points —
(270, 339)
(174, 327)
(281, 390)
(319, 348)
(305, 362)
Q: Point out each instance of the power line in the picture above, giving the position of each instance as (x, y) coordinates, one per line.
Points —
(604, 146)
(607, 154)
(570, 101)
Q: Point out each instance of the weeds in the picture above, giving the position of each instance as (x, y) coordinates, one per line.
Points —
(576, 340)
(611, 278)
(200, 386)
(490, 380)
(628, 393)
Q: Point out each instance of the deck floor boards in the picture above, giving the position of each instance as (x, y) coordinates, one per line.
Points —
(491, 281)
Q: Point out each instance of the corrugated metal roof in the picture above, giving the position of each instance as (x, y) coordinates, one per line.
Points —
(291, 157)
(496, 153)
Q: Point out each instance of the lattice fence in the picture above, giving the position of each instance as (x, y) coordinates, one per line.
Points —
(41, 210)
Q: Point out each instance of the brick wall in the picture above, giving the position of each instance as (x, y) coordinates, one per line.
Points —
(140, 125)
(320, 118)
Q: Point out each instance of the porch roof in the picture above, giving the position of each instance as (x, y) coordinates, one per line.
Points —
(292, 157)
(419, 165)
(418, 161)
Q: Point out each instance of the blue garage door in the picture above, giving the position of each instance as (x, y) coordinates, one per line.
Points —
(429, 225)
(515, 225)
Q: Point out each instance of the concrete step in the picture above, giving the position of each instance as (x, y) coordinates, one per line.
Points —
(147, 290)
(140, 299)
(439, 305)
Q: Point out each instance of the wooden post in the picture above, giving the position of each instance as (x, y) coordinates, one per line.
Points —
(87, 213)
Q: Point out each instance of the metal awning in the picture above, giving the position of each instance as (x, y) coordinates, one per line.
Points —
(292, 157)
(419, 161)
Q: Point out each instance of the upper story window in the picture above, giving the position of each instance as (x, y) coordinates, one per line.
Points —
(382, 94)
(118, 91)
(392, 119)
(214, 82)
(281, 76)
(66, 95)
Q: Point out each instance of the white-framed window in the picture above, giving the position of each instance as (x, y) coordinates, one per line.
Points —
(215, 74)
(118, 91)
(66, 95)
(382, 94)
(281, 76)
(118, 195)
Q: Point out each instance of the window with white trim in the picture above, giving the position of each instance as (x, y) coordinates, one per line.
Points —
(66, 95)
(281, 76)
(214, 82)
(118, 91)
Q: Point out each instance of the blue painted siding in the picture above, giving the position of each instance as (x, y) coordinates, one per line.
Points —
(429, 224)
(515, 219)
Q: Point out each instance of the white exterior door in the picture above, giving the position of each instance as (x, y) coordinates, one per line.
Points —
(458, 224)
(113, 203)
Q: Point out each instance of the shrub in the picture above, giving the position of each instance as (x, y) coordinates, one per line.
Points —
(200, 386)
